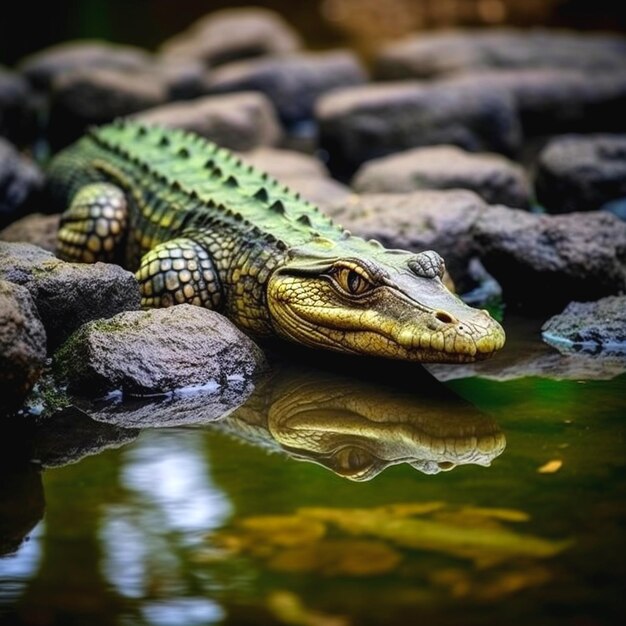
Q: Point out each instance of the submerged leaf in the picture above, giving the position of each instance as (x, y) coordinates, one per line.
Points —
(283, 530)
(484, 546)
(289, 609)
(551, 467)
(336, 557)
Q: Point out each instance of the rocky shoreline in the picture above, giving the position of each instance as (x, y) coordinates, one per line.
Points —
(502, 150)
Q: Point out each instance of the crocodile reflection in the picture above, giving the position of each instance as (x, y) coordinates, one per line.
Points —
(357, 429)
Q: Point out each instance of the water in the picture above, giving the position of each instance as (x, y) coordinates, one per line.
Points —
(330, 499)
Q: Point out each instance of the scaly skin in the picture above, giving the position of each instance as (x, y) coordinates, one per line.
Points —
(358, 429)
(200, 226)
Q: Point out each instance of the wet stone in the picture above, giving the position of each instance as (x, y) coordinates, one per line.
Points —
(43, 67)
(358, 124)
(22, 345)
(233, 34)
(550, 101)
(493, 177)
(84, 97)
(240, 121)
(293, 83)
(157, 351)
(589, 326)
(67, 294)
(21, 182)
(38, 229)
(581, 173)
(430, 55)
(544, 261)
(417, 221)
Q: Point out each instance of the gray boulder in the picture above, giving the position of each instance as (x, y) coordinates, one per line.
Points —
(301, 172)
(157, 351)
(430, 55)
(293, 83)
(358, 124)
(422, 220)
(493, 177)
(21, 182)
(581, 173)
(233, 34)
(551, 101)
(84, 97)
(285, 164)
(68, 294)
(22, 345)
(45, 66)
(589, 327)
(545, 261)
(38, 229)
(241, 121)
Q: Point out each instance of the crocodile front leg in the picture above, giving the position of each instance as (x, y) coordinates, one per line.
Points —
(176, 272)
(93, 227)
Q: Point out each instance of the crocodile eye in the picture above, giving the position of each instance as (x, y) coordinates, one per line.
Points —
(352, 282)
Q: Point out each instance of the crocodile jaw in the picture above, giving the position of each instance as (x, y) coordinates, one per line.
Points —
(388, 323)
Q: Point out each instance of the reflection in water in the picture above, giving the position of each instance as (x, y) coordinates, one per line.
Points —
(357, 429)
(175, 478)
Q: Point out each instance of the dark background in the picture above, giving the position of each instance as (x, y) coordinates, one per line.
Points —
(27, 26)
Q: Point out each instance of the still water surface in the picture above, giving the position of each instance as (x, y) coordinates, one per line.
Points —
(331, 499)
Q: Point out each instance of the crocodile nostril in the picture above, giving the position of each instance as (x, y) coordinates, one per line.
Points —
(444, 317)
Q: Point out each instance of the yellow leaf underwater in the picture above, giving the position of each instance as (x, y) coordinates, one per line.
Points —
(551, 467)
(483, 545)
(337, 557)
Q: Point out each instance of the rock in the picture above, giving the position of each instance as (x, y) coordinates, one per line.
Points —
(581, 173)
(68, 294)
(550, 102)
(545, 261)
(525, 355)
(17, 117)
(302, 173)
(589, 327)
(156, 351)
(430, 55)
(44, 67)
(184, 79)
(21, 182)
(358, 124)
(22, 345)
(233, 34)
(285, 164)
(293, 83)
(85, 97)
(323, 192)
(422, 220)
(38, 229)
(240, 121)
(493, 177)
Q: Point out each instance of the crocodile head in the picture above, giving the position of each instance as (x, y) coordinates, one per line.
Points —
(358, 297)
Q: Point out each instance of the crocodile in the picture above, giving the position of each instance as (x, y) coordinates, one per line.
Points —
(199, 226)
